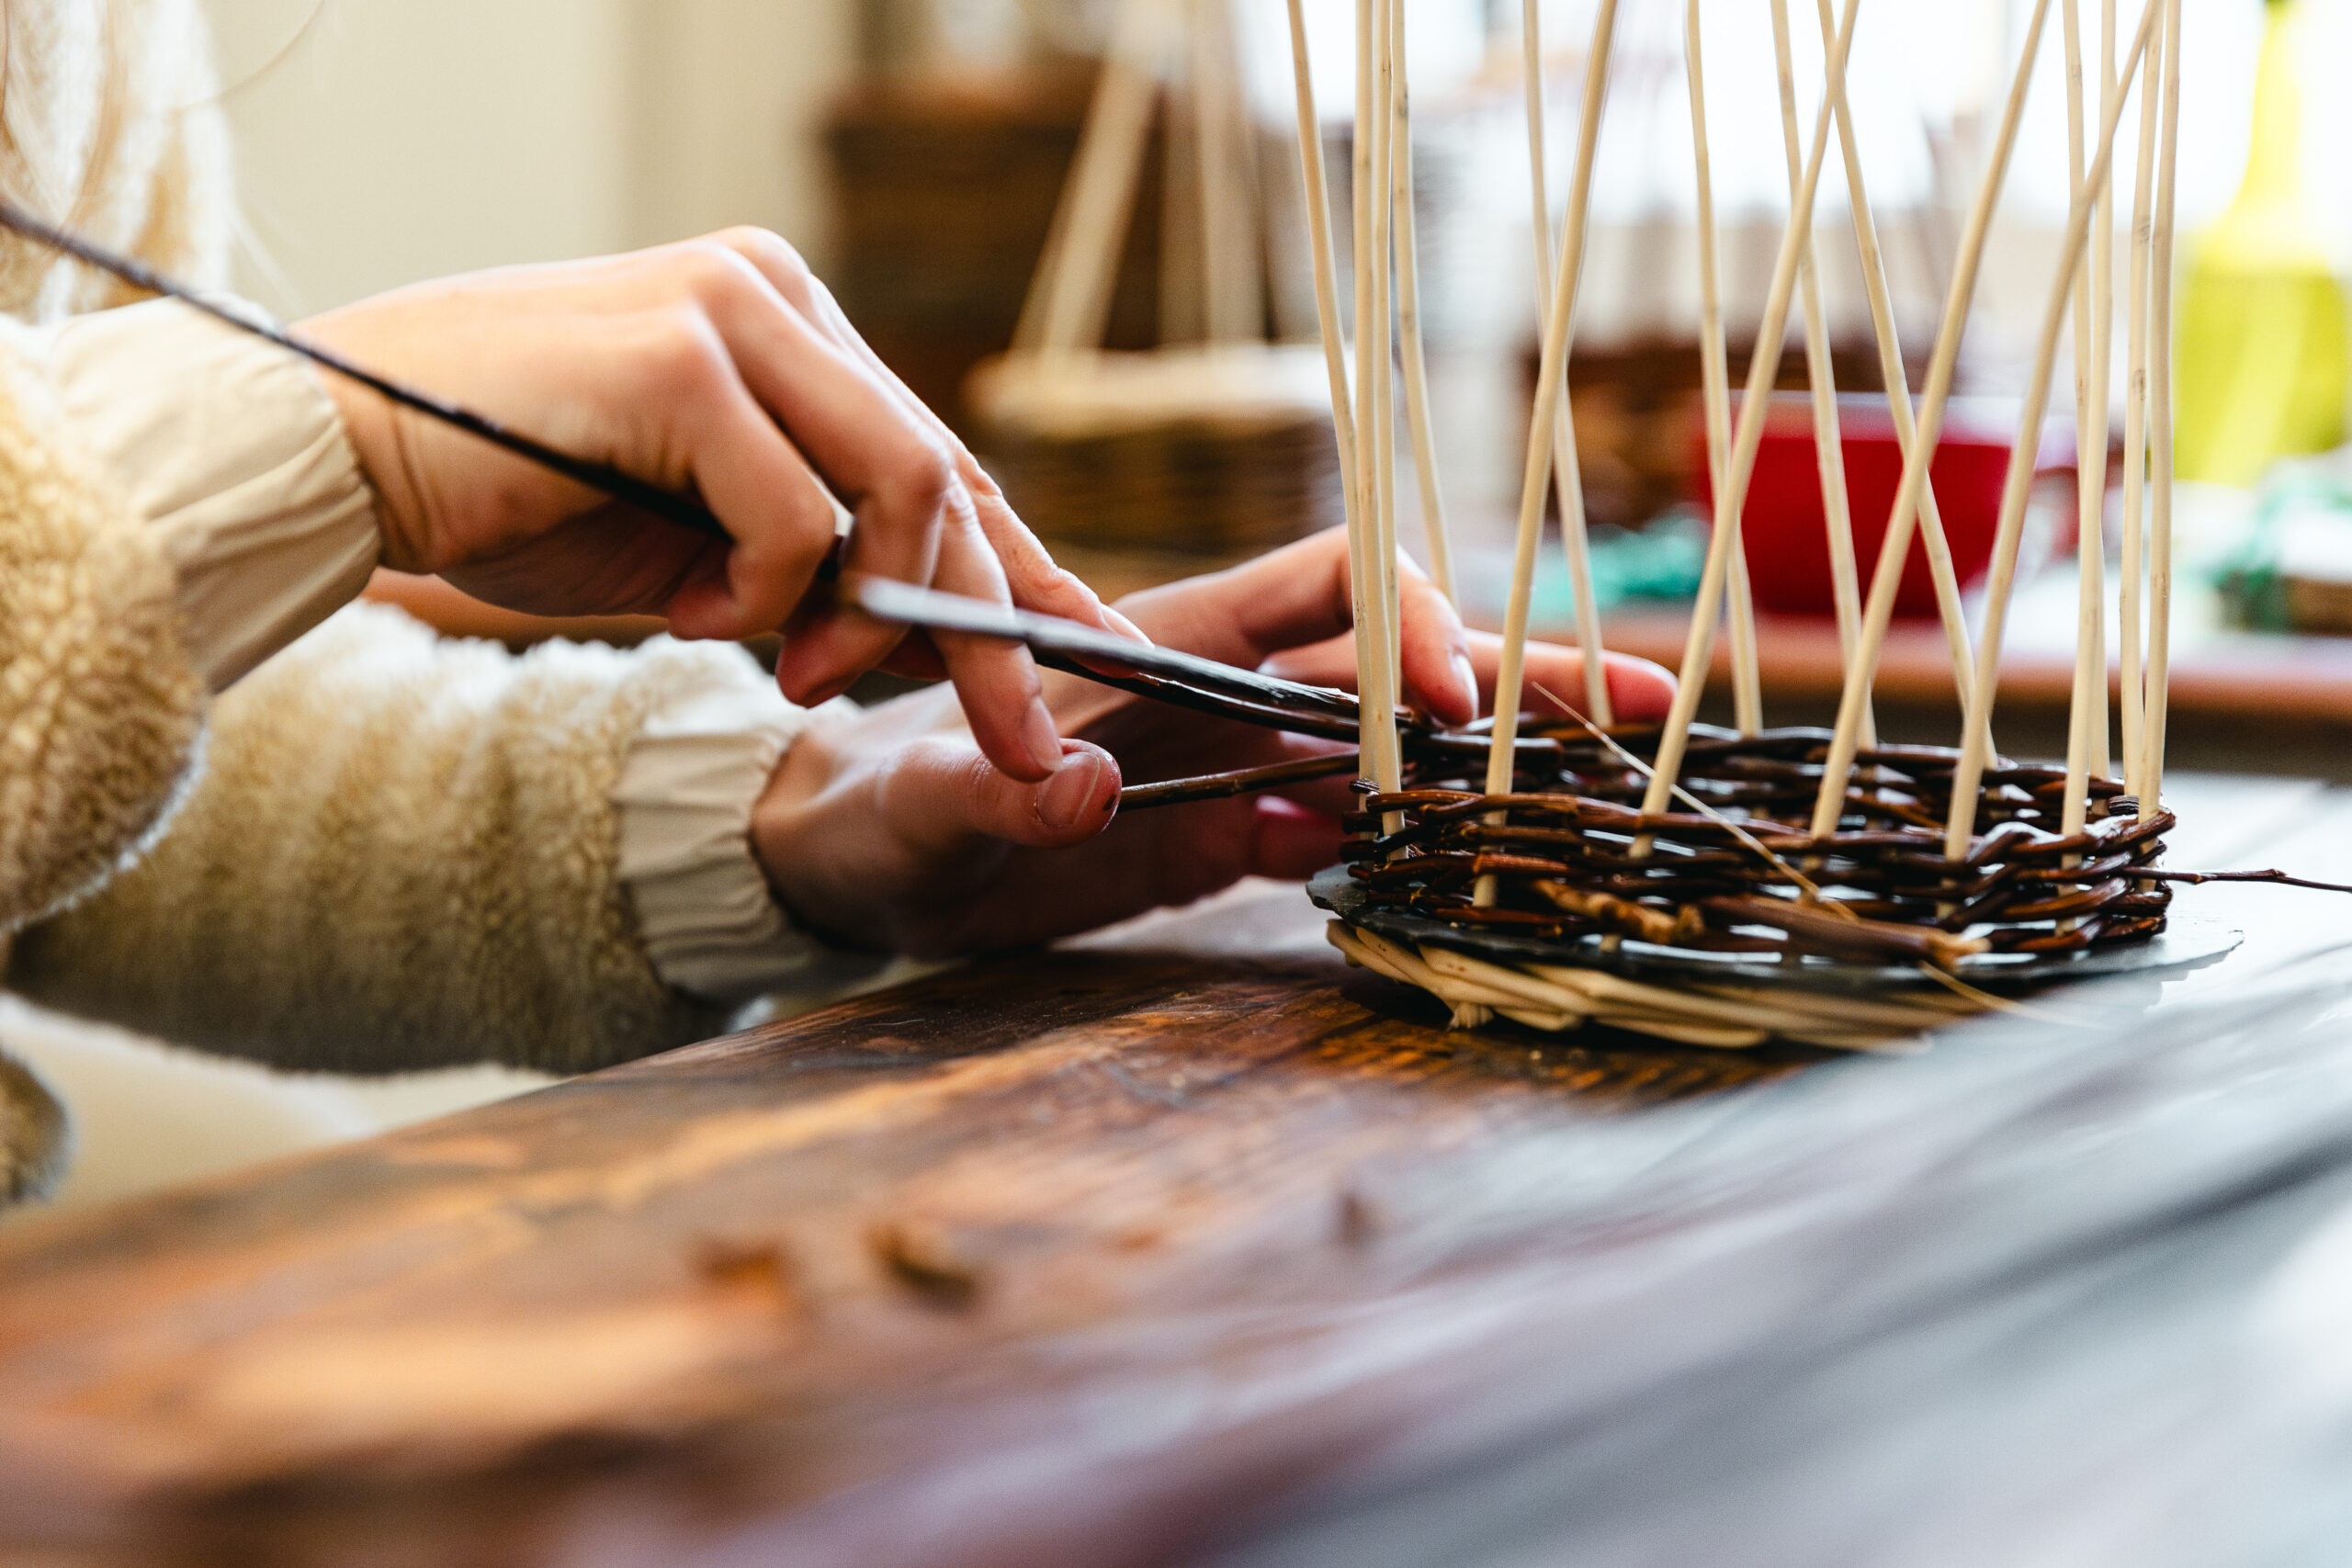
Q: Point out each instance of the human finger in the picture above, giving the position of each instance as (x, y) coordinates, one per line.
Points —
(779, 519)
(996, 682)
(1638, 689)
(937, 794)
(900, 482)
(1300, 596)
(1032, 576)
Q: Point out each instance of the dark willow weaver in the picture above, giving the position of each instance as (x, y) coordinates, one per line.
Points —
(1568, 857)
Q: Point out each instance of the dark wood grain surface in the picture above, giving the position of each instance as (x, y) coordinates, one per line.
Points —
(1093, 1256)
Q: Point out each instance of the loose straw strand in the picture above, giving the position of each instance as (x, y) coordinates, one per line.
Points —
(1969, 773)
(1813, 894)
(1878, 612)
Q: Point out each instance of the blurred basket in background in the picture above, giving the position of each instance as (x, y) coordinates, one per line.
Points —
(1200, 454)
(1215, 444)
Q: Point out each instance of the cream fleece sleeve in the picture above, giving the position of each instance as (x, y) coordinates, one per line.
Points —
(232, 451)
(100, 711)
(405, 853)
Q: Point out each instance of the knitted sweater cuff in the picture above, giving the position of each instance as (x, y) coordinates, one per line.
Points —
(708, 921)
(233, 453)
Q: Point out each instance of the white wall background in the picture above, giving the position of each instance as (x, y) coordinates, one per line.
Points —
(380, 141)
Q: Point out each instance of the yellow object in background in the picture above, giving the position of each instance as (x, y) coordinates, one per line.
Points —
(2264, 354)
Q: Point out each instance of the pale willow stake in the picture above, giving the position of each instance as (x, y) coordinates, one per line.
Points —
(1820, 373)
(1969, 775)
(1375, 371)
(1408, 327)
(1764, 367)
(1714, 378)
(1878, 613)
(2086, 747)
(1566, 477)
(1558, 316)
(1371, 578)
(2160, 371)
(2133, 698)
(1384, 346)
(1324, 268)
(1898, 395)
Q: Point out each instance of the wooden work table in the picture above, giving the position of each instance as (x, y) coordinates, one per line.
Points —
(1123, 1254)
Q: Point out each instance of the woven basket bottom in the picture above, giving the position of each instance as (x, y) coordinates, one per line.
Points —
(1553, 998)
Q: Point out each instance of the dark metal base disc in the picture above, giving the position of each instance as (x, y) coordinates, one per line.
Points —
(2188, 942)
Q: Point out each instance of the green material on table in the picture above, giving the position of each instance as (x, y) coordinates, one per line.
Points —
(2262, 344)
(2298, 538)
(1661, 561)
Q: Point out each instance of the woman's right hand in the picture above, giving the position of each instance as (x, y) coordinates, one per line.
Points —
(721, 368)
(886, 829)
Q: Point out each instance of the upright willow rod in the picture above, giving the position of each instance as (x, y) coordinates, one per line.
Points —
(1880, 297)
(2087, 727)
(2129, 695)
(1968, 775)
(1557, 312)
(1763, 369)
(2160, 433)
(1408, 327)
(1879, 612)
(1324, 266)
(1568, 477)
(1830, 456)
(1382, 434)
(1368, 579)
(1714, 378)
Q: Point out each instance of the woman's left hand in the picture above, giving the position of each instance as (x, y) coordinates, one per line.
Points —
(890, 831)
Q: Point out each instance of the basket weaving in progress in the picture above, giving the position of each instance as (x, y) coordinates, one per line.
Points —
(1575, 862)
(1726, 886)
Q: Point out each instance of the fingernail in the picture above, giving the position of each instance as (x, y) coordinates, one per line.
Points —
(1039, 738)
(1068, 795)
(1465, 680)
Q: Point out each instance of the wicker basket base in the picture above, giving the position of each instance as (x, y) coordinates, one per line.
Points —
(1559, 996)
(1713, 999)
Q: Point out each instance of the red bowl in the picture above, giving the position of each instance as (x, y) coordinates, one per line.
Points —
(1785, 532)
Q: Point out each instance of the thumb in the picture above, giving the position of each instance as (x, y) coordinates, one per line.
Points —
(939, 793)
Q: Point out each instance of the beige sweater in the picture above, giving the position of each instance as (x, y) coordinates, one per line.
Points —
(380, 850)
